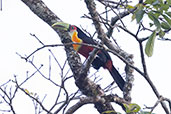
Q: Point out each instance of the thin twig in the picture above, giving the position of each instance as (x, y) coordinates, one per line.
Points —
(40, 103)
(146, 76)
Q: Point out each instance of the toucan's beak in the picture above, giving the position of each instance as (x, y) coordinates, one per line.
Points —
(61, 25)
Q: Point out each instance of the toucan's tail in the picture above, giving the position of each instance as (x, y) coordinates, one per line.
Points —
(117, 77)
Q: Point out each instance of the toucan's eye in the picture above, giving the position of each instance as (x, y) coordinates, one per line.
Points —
(73, 28)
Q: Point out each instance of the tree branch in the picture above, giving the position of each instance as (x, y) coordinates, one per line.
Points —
(101, 35)
(145, 73)
(83, 101)
(146, 76)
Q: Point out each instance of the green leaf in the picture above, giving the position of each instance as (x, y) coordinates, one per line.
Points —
(169, 2)
(165, 25)
(150, 44)
(148, 2)
(150, 15)
(132, 107)
(151, 24)
(167, 19)
(130, 7)
(156, 22)
(26, 90)
(154, 19)
(157, 14)
(139, 14)
(169, 14)
(133, 17)
(161, 34)
(164, 7)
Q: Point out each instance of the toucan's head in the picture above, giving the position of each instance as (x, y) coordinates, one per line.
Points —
(66, 27)
(73, 31)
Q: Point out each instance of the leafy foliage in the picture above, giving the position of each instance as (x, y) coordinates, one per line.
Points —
(158, 12)
(150, 44)
(139, 13)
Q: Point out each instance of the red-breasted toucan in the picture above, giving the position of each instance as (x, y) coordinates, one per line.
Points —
(102, 59)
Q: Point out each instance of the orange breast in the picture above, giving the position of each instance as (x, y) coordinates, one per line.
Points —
(82, 49)
(76, 40)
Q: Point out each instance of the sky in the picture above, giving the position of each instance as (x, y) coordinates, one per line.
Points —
(16, 24)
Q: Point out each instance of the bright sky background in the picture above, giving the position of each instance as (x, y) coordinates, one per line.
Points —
(16, 24)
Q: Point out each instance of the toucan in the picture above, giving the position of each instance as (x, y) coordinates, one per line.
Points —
(102, 59)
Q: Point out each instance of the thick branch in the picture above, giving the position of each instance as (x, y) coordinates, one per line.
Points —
(83, 101)
(101, 35)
